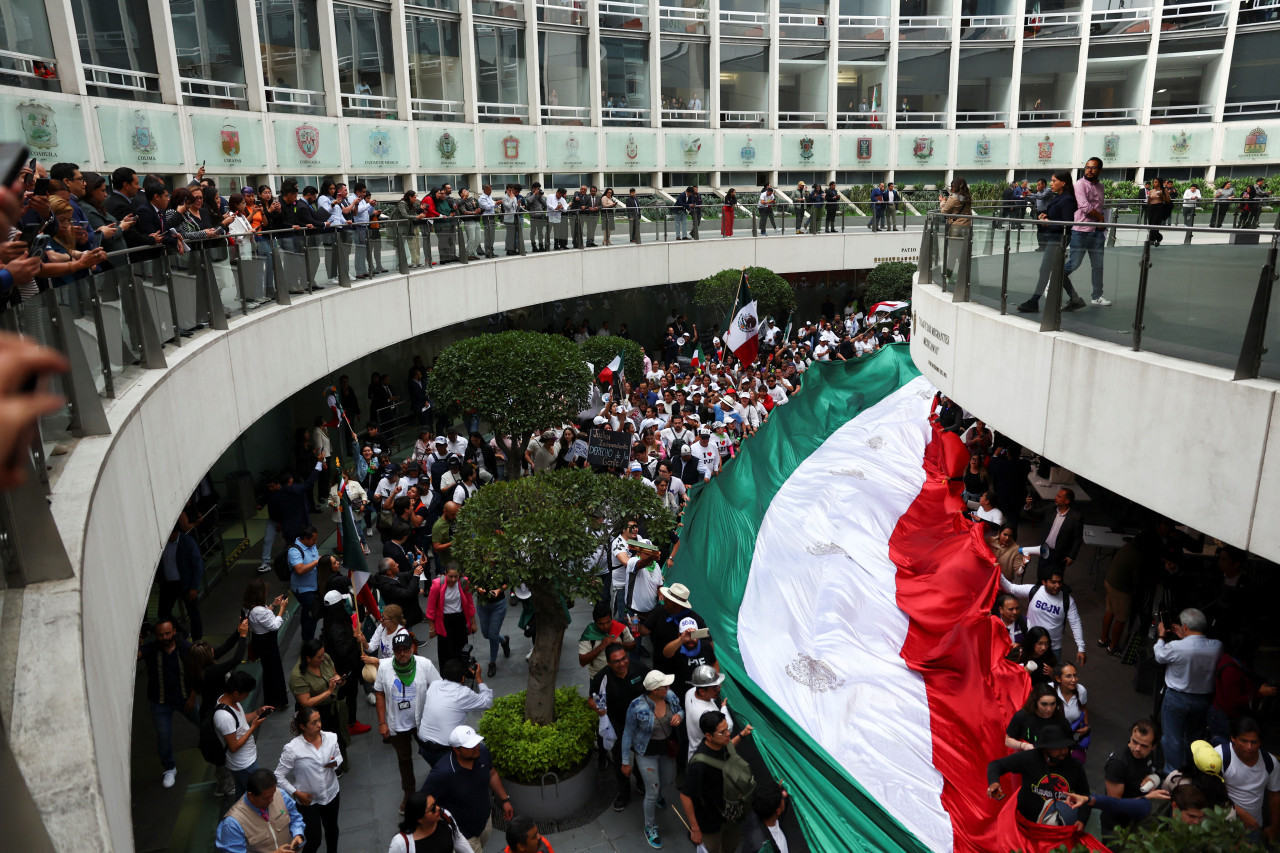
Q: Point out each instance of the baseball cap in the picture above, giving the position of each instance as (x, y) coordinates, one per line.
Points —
(685, 450)
(440, 439)
(635, 466)
(333, 597)
(464, 737)
(656, 679)
(704, 431)
(688, 623)
(402, 641)
(246, 191)
(600, 420)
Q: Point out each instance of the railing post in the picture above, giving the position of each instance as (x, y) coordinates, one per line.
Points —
(217, 313)
(343, 248)
(464, 251)
(946, 252)
(518, 216)
(925, 268)
(147, 335)
(755, 226)
(1004, 277)
(238, 269)
(1254, 345)
(1051, 319)
(166, 272)
(1112, 216)
(1140, 307)
(95, 300)
(87, 417)
(277, 263)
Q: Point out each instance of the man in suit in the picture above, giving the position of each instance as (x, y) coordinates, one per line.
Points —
(632, 204)
(149, 229)
(1061, 534)
(124, 187)
(877, 208)
(592, 210)
(577, 215)
(891, 199)
(694, 199)
(832, 198)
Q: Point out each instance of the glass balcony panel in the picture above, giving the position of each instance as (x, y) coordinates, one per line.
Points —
(624, 76)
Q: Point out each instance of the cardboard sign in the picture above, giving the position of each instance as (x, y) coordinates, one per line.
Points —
(609, 449)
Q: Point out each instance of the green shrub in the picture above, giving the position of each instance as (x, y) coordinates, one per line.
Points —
(858, 193)
(889, 282)
(523, 751)
(1216, 834)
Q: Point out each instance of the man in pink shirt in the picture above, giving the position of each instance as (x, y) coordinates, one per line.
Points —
(1087, 237)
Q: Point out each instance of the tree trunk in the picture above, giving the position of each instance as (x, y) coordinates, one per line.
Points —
(544, 665)
(513, 462)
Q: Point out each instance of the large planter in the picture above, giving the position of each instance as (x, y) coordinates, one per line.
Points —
(556, 798)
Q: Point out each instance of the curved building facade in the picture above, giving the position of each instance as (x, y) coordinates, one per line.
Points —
(648, 93)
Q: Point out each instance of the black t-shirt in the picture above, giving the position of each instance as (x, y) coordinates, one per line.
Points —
(620, 693)
(1029, 726)
(664, 627)
(1041, 782)
(687, 660)
(440, 841)
(704, 785)
(1124, 769)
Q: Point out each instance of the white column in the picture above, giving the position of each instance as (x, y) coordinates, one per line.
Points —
(1153, 53)
(166, 52)
(66, 46)
(533, 61)
(833, 67)
(655, 74)
(889, 85)
(251, 56)
(467, 56)
(1224, 68)
(953, 70)
(713, 63)
(774, 76)
(1082, 65)
(594, 73)
(329, 56)
(400, 60)
(1015, 81)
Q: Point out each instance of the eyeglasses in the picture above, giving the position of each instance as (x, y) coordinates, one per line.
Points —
(433, 808)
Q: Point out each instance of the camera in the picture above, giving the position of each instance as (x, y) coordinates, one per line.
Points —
(468, 653)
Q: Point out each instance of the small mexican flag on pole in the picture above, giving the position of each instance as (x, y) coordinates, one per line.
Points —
(614, 369)
(696, 361)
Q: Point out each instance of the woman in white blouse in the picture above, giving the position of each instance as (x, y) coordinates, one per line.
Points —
(313, 757)
(379, 646)
(1075, 701)
(264, 622)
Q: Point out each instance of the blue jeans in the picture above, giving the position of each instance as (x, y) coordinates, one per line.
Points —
(162, 717)
(490, 617)
(262, 247)
(620, 604)
(306, 609)
(656, 772)
(241, 778)
(682, 224)
(268, 541)
(1092, 243)
(1182, 718)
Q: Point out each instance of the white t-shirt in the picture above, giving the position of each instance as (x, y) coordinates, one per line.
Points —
(380, 642)
(236, 724)
(1075, 707)
(779, 838)
(1246, 785)
(619, 578)
(400, 699)
(645, 595)
(708, 458)
(694, 708)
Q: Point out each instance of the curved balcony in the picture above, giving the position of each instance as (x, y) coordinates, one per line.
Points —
(117, 493)
(1171, 369)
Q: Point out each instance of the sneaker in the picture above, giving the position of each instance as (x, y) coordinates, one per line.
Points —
(529, 655)
(170, 777)
(1104, 302)
(651, 835)
(662, 802)
(621, 802)
(1075, 304)
(1029, 307)
(506, 647)
(264, 568)
(358, 728)
(493, 669)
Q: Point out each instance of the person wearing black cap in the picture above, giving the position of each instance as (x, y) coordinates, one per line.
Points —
(401, 688)
(1049, 774)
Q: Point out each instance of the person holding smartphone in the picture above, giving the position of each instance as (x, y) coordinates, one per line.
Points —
(313, 758)
(238, 727)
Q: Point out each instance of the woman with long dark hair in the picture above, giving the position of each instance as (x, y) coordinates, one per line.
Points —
(427, 826)
(315, 683)
(1036, 649)
(1042, 710)
(313, 758)
(264, 624)
(1061, 209)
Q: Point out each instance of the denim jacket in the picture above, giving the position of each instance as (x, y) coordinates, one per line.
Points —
(639, 725)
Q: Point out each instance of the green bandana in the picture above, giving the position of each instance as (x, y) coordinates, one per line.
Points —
(593, 634)
(405, 673)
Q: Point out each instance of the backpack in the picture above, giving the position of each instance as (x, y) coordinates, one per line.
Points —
(212, 745)
(281, 565)
(739, 783)
(1267, 761)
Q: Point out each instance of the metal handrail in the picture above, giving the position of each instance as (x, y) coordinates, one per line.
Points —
(957, 276)
(295, 97)
(129, 81)
(1240, 108)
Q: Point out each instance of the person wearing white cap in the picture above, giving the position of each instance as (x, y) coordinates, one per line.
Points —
(707, 455)
(461, 783)
(694, 651)
(676, 435)
(644, 576)
(652, 720)
(687, 467)
(724, 442)
(636, 472)
(400, 687)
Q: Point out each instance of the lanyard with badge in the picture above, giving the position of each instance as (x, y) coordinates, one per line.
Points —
(404, 704)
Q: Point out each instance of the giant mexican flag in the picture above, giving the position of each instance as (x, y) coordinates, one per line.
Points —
(850, 605)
